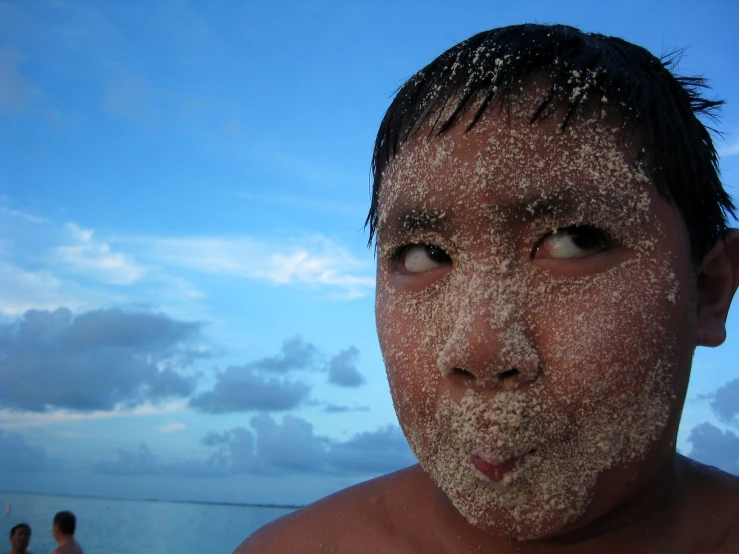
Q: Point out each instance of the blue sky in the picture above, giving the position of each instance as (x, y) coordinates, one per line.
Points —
(186, 296)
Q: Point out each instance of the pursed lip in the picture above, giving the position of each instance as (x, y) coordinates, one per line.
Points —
(496, 470)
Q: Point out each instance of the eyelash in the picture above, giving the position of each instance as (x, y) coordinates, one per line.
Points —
(601, 236)
(399, 253)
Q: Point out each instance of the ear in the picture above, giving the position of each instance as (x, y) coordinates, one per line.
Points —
(718, 278)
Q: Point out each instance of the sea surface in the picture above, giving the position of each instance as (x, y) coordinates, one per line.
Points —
(108, 526)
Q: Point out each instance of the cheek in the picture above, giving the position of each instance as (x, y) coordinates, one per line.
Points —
(411, 333)
(614, 333)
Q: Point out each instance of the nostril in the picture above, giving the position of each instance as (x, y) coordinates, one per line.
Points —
(463, 373)
(503, 375)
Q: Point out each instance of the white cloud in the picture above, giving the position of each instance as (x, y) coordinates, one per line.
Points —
(41, 260)
(318, 261)
(17, 92)
(95, 258)
(47, 265)
(291, 446)
(31, 218)
(10, 419)
(305, 203)
(172, 427)
(729, 150)
(23, 290)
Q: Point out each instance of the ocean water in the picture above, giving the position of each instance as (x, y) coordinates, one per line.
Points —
(135, 526)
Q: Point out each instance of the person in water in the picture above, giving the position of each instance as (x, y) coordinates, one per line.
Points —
(552, 245)
(20, 538)
(65, 525)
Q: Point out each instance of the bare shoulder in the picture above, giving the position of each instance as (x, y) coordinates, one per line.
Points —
(68, 548)
(369, 517)
(715, 507)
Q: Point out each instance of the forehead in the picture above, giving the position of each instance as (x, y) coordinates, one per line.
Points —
(505, 160)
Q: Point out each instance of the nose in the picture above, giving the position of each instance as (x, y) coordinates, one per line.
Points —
(489, 340)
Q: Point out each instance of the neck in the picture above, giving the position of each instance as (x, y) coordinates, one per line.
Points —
(652, 507)
(64, 539)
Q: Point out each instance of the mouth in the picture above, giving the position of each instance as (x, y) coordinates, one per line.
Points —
(496, 470)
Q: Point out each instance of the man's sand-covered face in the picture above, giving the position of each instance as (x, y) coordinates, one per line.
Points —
(534, 308)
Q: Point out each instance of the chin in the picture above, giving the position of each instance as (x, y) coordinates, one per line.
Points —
(524, 519)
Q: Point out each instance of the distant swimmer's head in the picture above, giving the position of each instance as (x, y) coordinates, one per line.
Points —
(65, 523)
(20, 537)
(550, 228)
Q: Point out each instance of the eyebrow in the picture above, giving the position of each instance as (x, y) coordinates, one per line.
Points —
(552, 203)
(526, 209)
(577, 200)
(559, 203)
(416, 220)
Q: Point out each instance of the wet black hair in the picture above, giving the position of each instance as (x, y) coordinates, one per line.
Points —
(20, 526)
(66, 522)
(583, 68)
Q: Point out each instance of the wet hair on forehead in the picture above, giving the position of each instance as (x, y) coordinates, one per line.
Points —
(582, 69)
(20, 526)
(66, 522)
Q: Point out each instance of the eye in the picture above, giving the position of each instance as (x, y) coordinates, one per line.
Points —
(567, 243)
(418, 258)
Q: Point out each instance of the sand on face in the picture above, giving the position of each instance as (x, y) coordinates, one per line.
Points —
(602, 344)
